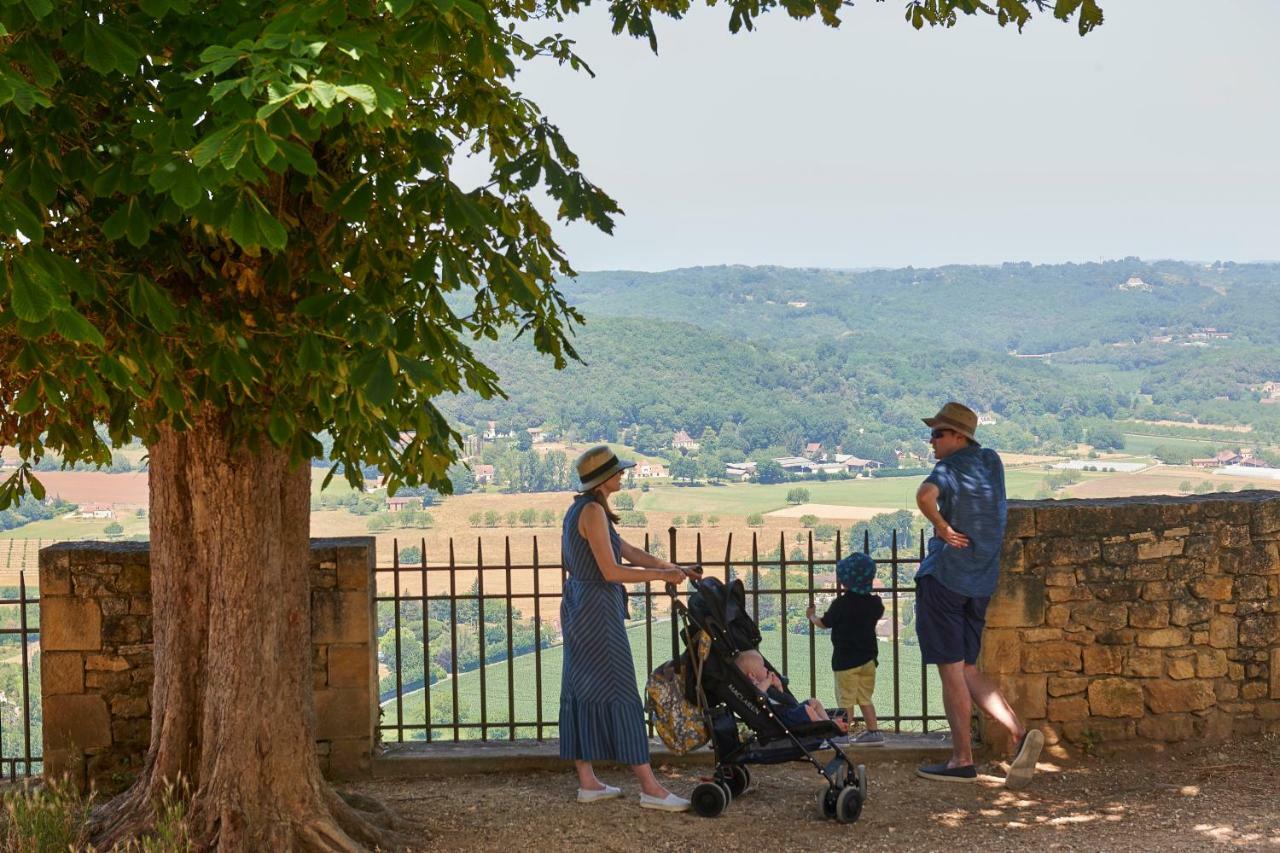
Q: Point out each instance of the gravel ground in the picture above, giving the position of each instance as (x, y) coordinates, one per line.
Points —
(1201, 798)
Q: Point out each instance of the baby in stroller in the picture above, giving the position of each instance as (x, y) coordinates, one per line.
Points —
(789, 711)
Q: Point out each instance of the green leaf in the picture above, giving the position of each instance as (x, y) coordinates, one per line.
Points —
(263, 146)
(279, 428)
(309, 355)
(299, 158)
(363, 95)
(208, 148)
(105, 51)
(39, 8)
(324, 93)
(28, 401)
(36, 487)
(381, 383)
(187, 191)
(32, 293)
(74, 327)
(151, 302)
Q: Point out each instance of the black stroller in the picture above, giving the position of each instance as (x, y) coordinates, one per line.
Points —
(725, 695)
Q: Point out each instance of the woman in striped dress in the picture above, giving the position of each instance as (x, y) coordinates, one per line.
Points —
(601, 718)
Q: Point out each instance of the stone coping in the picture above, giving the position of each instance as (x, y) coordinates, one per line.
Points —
(463, 758)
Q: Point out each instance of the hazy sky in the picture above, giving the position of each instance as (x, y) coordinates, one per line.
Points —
(875, 145)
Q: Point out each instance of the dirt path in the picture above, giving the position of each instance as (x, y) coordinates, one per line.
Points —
(1204, 799)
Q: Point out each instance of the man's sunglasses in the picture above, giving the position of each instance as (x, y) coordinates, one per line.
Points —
(939, 433)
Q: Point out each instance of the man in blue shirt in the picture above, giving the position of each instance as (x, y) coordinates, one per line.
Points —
(964, 499)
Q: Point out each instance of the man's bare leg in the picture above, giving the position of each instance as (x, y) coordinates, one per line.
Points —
(988, 697)
(958, 703)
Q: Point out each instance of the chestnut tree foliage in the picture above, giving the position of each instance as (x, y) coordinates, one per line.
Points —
(247, 207)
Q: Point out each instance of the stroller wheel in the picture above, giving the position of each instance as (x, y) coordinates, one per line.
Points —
(709, 799)
(739, 779)
(826, 798)
(849, 805)
(861, 775)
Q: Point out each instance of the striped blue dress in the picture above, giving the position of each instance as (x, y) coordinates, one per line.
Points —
(601, 718)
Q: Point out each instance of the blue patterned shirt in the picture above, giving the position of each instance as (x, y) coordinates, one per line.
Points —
(971, 497)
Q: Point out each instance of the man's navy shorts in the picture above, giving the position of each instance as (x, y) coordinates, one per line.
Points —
(948, 624)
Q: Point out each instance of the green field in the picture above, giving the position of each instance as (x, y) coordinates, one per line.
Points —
(891, 493)
(523, 676)
(1142, 444)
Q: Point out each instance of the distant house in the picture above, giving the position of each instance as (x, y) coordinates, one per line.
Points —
(812, 450)
(796, 464)
(1209, 333)
(490, 430)
(741, 471)
(1221, 459)
(648, 470)
(683, 441)
(399, 504)
(987, 419)
(483, 473)
(536, 435)
(96, 511)
(857, 465)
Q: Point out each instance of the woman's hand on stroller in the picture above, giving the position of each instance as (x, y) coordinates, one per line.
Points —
(693, 573)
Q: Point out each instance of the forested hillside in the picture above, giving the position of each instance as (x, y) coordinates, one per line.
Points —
(770, 358)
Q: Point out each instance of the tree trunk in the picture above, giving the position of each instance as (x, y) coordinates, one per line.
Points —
(232, 710)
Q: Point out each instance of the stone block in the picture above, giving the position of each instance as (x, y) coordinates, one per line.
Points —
(78, 722)
(1117, 591)
(1098, 731)
(1165, 697)
(354, 568)
(1019, 602)
(1041, 635)
(61, 673)
(1060, 577)
(1265, 519)
(1115, 697)
(343, 713)
(134, 579)
(1144, 663)
(1149, 614)
(1020, 523)
(1169, 728)
(1001, 651)
(1181, 668)
(1211, 663)
(1275, 673)
(1073, 708)
(1066, 685)
(1251, 587)
(1103, 660)
(1160, 549)
(1119, 553)
(1259, 630)
(1052, 657)
(1057, 615)
(1223, 633)
(1164, 638)
(1253, 690)
(1217, 588)
(1160, 591)
(68, 624)
(1153, 571)
(1233, 536)
(340, 617)
(1190, 612)
(55, 578)
(130, 707)
(1062, 551)
(1026, 694)
(105, 663)
(348, 759)
(1068, 593)
(1099, 616)
(350, 666)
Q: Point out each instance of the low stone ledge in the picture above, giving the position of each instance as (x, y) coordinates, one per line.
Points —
(415, 759)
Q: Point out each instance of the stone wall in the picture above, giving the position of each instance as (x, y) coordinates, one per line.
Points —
(96, 658)
(1140, 619)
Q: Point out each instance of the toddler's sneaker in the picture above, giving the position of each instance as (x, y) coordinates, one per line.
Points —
(868, 738)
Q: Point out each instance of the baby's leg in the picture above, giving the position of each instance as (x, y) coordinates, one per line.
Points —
(815, 710)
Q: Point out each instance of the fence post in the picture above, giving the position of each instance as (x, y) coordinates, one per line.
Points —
(511, 661)
(426, 643)
(395, 603)
(483, 640)
(813, 652)
(537, 640)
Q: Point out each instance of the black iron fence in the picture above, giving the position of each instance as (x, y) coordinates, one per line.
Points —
(20, 711)
(472, 649)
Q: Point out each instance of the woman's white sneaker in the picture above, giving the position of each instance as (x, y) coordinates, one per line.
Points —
(669, 803)
(589, 795)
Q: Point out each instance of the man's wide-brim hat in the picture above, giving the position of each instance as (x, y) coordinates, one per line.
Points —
(956, 416)
(597, 465)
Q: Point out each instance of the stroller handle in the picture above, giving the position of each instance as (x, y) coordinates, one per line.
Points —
(673, 590)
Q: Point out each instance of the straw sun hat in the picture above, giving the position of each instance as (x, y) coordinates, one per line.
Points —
(597, 465)
(955, 416)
